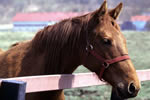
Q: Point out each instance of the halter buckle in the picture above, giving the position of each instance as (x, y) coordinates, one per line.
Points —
(106, 65)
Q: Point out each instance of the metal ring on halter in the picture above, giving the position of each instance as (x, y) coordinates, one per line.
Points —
(105, 64)
(89, 47)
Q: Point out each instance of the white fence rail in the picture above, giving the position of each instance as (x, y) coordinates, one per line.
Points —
(65, 81)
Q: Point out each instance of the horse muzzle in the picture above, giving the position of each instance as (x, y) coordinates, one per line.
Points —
(127, 91)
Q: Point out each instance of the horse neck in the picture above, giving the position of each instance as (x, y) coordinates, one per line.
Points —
(71, 60)
(65, 62)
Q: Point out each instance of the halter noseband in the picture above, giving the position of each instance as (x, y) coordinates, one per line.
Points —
(105, 63)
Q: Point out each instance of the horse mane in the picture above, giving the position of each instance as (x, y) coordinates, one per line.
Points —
(65, 35)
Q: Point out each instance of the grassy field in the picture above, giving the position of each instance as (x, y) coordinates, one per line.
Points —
(138, 45)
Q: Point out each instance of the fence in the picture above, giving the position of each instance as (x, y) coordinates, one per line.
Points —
(15, 88)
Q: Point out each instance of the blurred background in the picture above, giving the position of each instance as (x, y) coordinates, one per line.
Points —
(21, 19)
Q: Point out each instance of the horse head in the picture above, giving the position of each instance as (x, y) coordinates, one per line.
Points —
(107, 54)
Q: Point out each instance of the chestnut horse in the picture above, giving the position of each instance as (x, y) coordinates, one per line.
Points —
(93, 40)
(15, 44)
(1, 50)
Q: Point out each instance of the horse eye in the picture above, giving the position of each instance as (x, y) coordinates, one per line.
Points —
(107, 42)
(112, 23)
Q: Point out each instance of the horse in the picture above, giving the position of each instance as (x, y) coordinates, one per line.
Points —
(93, 40)
(17, 43)
(1, 50)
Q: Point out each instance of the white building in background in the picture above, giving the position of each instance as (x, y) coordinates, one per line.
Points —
(36, 21)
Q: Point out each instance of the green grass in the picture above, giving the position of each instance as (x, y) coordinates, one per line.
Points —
(138, 45)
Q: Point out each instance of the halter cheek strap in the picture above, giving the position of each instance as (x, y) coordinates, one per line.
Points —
(106, 63)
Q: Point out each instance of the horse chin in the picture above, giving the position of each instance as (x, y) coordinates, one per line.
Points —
(124, 94)
(121, 92)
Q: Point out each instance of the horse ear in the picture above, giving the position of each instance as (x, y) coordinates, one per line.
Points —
(103, 9)
(114, 13)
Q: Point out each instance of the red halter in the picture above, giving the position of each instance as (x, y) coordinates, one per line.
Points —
(106, 63)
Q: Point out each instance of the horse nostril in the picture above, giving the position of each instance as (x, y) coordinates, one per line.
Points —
(131, 88)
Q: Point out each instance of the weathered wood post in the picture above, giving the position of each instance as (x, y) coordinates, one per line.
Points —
(12, 90)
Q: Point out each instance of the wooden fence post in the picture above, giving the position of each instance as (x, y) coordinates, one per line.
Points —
(12, 90)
